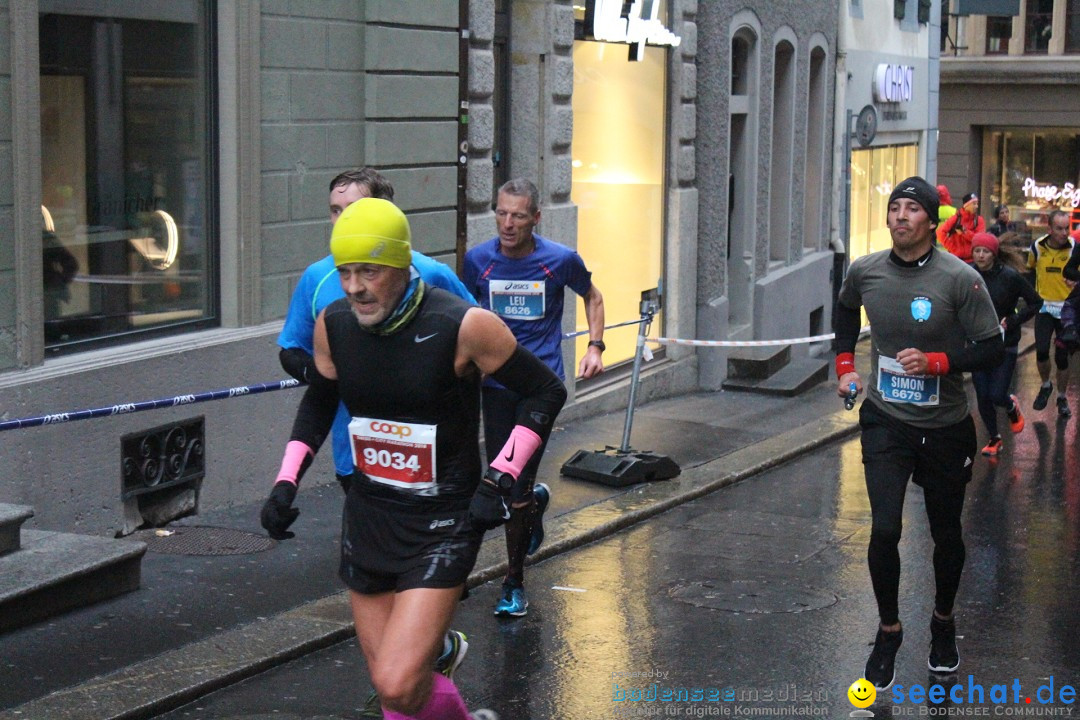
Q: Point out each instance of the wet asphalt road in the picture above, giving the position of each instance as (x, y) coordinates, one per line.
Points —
(758, 598)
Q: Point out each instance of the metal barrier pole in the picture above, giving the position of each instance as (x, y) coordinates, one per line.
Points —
(643, 331)
(625, 466)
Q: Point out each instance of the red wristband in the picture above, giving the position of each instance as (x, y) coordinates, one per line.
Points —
(845, 363)
(937, 363)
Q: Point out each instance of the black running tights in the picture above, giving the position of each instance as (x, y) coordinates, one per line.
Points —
(886, 484)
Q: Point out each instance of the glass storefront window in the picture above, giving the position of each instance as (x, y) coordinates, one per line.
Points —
(874, 173)
(1038, 25)
(618, 180)
(1072, 26)
(998, 33)
(127, 169)
(1033, 172)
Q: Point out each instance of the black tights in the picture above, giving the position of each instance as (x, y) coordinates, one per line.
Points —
(500, 416)
(939, 460)
(943, 509)
(519, 530)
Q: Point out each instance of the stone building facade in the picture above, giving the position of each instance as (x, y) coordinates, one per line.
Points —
(180, 151)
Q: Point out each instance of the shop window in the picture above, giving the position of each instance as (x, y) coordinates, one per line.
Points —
(127, 158)
(1038, 26)
(998, 34)
(1033, 172)
(874, 173)
(1072, 26)
(946, 41)
(618, 180)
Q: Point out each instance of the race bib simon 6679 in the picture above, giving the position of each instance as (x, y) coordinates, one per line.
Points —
(898, 387)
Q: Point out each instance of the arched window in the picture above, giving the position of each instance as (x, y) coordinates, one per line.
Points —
(813, 224)
(783, 136)
(742, 178)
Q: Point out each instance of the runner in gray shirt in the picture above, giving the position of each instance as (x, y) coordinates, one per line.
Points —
(931, 319)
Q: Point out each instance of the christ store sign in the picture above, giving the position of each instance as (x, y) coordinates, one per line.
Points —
(638, 26)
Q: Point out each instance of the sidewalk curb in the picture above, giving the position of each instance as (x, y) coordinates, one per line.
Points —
(177, 677)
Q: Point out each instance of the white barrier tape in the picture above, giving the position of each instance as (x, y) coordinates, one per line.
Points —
(747, 343)
(740, 343)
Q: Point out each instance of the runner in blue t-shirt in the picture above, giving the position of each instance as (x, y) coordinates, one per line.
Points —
(521, 276)
(319, 286)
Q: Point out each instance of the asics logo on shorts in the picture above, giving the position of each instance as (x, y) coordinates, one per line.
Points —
(391, 429)
(441, 523)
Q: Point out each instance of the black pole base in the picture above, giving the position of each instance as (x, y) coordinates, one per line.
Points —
(618, 469)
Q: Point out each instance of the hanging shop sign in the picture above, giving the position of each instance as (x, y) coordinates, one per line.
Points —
(634, 23)
(1066, 194)
(894, 83)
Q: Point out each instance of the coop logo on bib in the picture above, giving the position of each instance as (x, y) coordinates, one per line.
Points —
(920, 309)
(401, 454)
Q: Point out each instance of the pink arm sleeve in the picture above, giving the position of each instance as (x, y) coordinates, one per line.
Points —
(517, 451)
(291, 465)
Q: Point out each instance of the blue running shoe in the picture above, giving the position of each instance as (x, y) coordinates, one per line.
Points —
(513, 602)
(542, 493)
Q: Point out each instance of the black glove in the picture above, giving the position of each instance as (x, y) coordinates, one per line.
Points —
(488, 508)
(278, 513)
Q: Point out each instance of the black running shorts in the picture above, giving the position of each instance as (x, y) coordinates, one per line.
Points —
(390, 547)
(935, 457)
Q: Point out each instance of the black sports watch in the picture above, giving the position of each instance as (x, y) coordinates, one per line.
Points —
(598, 344)
(503, 481)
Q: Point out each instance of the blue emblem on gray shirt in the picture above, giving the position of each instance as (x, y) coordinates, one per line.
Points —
(920, 309)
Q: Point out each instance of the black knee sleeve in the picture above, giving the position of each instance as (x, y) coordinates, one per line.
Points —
(1061, 357)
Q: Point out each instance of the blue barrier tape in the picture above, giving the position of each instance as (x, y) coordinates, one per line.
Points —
(127, 408)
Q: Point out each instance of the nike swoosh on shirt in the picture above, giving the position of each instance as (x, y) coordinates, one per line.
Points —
(426, 337)
(510, 457)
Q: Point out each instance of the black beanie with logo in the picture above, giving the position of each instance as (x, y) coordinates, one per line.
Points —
(922, 192)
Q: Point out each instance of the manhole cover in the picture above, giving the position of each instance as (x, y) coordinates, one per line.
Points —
(200, 540)
(752, 596)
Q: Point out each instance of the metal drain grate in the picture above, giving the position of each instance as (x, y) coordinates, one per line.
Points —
(201, 540)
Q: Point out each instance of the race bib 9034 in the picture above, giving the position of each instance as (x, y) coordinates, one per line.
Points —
(393, 452)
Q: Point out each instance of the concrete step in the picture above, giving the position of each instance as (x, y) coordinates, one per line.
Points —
(757, 363)
(11, 519)
(54, 572)
(791, 380)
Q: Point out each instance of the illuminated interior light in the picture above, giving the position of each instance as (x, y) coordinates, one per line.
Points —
(46, 219)
(148, 247)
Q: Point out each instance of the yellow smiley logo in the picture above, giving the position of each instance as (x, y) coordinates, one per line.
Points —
(861, 693)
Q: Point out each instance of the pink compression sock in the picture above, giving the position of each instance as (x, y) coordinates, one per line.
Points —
(445, 703)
